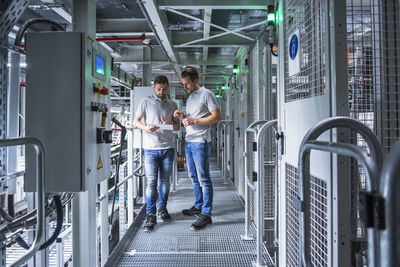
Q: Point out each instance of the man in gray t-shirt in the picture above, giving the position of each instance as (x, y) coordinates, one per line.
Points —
(153, 113)
(202, 111)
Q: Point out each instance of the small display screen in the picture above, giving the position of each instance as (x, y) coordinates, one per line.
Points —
(100, 65)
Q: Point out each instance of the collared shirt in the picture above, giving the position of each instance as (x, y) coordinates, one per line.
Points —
(153, 110)
(199, 105)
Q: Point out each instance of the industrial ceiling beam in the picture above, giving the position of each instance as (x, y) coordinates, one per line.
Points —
(122, 25)
(159, 20)
(213, 59)
(209, 22)
(228, 40)
(222, 34)
(215, 4)
(206, 33)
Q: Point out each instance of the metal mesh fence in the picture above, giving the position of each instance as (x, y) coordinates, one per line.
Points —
(306, 17)
(254, 116)
(373, 40)
(319, 220)
(292, 217)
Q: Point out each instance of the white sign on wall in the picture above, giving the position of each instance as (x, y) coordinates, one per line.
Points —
(294, 53)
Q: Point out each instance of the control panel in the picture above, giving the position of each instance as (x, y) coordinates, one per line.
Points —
(68, 109)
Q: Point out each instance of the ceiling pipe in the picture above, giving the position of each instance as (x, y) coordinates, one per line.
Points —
(146, 15)
(113, 40)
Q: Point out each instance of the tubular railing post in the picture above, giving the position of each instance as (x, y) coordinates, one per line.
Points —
(389, 191)
(218, 145)
(304, 173)
(220, 124)
(225, 153)
(141, 163)
(40, 225)
(260, 189)
(247, 183)
(175, 167)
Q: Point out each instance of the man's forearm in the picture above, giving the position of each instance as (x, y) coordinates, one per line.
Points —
(211, 119)
(139, 125)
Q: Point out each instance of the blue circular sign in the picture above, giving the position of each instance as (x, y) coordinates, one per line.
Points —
(293, 46)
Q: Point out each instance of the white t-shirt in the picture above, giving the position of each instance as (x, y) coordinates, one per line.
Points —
(153, 110)
(199, 105)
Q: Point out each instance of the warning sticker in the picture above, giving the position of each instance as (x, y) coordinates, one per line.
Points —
(99, 163)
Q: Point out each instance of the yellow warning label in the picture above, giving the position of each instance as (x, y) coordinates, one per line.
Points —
(98, 92)
(99, 163)
(242, 114)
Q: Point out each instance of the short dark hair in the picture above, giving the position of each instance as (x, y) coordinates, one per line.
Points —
(161, 79)
(191, 73)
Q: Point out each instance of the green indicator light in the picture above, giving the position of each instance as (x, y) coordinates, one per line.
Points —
(152, 82)
(224, 87)
(271, 15)
(218, 96)
(271, 18)
(235, 69)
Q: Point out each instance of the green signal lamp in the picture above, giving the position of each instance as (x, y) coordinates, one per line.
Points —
(235, 69)
(271, 15)
(219, 96)
(152, 82)
(224, 87)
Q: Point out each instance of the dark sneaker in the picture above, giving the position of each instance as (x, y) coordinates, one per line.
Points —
(151, 221)
(192, 211)
(164, 215)
(202, 222)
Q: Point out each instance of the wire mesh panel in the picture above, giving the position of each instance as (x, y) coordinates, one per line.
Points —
(254, 110)
(292, 217)
(319, 219)
(306, 17)
(373, 40)
(374, 66)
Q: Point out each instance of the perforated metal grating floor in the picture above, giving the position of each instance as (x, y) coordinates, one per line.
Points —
(174, 244)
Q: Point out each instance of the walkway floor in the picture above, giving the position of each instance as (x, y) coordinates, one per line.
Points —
(173, 244)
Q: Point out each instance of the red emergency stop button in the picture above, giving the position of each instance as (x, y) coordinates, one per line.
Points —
(104, 91)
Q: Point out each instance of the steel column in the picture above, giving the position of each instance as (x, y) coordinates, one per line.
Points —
(84, 232)
(104, 227)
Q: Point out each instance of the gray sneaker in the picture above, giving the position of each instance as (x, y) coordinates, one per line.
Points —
(151, 221)
(164, 215)
(192, 211)
(201, 222)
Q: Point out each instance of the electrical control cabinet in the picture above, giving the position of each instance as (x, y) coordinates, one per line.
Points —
(67, 109)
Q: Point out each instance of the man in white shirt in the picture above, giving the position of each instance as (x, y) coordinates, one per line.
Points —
(202, 111)
(159, 148)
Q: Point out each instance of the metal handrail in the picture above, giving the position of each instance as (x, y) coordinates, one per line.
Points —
(175, 165)
(40, 226)
(389, 190)
(11, 176)
(225, 152)
(219, 124)
(304, 171)
(248, 183)
(260, 187)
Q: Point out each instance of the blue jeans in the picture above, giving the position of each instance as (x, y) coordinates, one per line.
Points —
(198, 163)
(157, 162)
